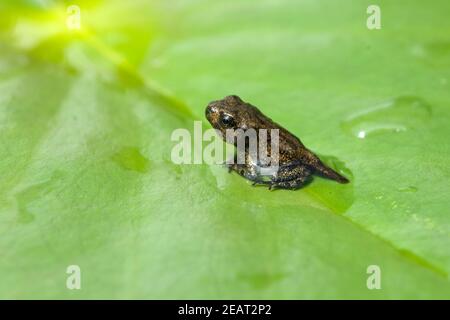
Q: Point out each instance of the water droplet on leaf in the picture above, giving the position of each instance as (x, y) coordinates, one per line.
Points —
(393, 116)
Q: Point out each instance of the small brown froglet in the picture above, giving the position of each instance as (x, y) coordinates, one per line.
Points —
(296, 164)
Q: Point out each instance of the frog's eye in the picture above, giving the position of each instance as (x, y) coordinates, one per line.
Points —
(227, 121)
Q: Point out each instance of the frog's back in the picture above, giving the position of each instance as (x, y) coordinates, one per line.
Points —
(292, 150)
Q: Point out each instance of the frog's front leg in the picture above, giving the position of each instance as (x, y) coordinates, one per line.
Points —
(249, 172)
(243, 169)
(252, 172)
(239, 168)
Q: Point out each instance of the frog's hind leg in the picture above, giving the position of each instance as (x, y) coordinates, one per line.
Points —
(291, 177)
(290, 184)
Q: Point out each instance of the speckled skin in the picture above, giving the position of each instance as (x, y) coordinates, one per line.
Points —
(296, 163)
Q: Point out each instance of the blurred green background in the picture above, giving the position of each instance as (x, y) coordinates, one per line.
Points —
(87, 179)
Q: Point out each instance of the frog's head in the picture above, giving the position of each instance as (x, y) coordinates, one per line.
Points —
(232, 113)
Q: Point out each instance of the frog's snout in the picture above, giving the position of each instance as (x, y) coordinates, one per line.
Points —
(208, 110)
(211, 108)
